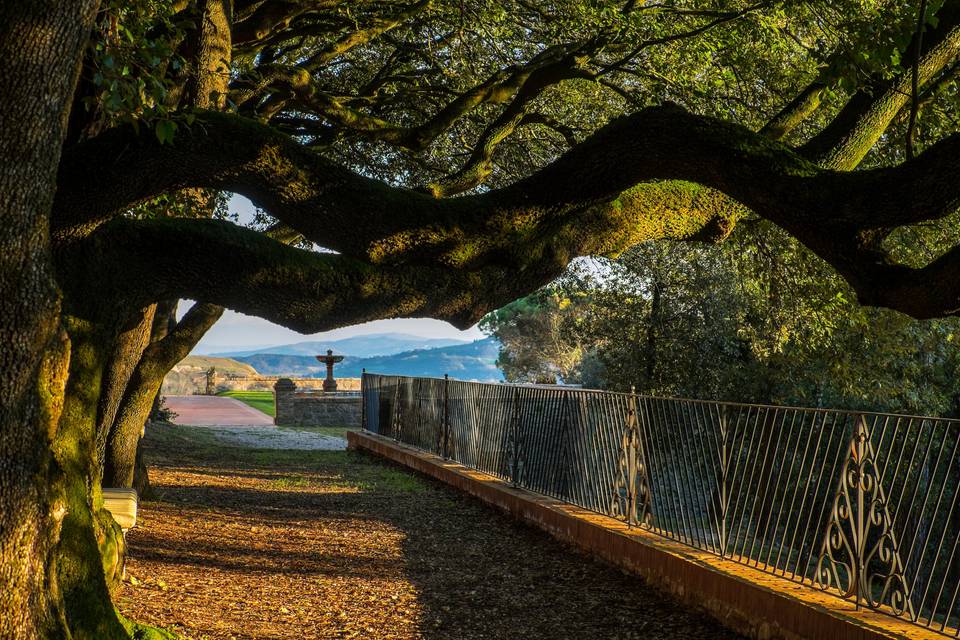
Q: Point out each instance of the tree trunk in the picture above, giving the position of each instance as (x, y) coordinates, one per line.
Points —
(88, 555)
(40, 47)
(207, 88)
(128, 348)
(145, 382)
(141, 475)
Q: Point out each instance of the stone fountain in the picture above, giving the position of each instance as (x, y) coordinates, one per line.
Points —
(329, 383)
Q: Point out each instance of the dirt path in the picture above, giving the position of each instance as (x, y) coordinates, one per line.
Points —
(253, 543)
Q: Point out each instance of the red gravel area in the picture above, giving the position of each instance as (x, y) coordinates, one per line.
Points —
(245, 543)
(214, 411)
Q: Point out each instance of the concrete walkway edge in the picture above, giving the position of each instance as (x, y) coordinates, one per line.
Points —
(754, 603)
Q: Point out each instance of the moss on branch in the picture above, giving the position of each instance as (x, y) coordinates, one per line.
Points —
(662, 172)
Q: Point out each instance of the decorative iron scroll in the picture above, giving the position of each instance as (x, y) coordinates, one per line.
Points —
(860, 557)
(631, 497)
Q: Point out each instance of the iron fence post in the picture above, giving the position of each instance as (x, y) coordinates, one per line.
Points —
(397, 412)
(419, 426)
(515, 439)
(722, 484)
(363, 399)
(632, 460)
(445, 427)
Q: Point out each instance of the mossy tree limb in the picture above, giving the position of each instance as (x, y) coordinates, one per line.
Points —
(538, 224)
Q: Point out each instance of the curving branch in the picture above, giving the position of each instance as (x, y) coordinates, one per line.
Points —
(863, 120)
(234, 267)
(297, 87)
(634, 179)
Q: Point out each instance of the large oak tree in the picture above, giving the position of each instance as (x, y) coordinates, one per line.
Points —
(451, 157)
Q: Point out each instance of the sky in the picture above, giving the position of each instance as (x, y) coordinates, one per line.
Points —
(235, 331)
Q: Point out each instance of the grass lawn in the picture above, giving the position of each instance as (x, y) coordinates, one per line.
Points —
(263, 401)
(259, 400)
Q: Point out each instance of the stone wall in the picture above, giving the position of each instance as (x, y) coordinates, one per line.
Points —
(205, 383)
(266, 383)
(297, 408)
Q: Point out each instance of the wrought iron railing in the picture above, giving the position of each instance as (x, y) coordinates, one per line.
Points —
(320, 393)
(863, 505)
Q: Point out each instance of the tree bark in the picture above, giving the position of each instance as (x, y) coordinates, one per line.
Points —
(157, 360)
(128, 348)
(40, 47)
(87, 557)
(141, 474)
(207, 86)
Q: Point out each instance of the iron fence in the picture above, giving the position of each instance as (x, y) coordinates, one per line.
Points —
(863, 505)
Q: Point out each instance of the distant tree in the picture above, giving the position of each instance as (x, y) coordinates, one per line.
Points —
(756, 319)
(537, 337)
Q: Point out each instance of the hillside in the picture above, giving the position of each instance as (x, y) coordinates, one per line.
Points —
(227, 366)
(365, 346)
(470, 361)
(190, 374)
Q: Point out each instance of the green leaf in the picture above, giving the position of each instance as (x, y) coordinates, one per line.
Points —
(165, 130)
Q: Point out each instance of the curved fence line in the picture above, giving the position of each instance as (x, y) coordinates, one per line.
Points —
(862, 505)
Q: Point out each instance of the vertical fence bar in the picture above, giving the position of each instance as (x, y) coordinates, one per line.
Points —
(445, 427)
(363, 399)
(514, 439)
(722, 413)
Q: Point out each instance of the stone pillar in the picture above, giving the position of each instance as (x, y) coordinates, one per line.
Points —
(211, 389)
(283, 392)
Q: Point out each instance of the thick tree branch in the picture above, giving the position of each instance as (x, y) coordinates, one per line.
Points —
(551, 66)
(803, 105)
(869, 112)
(241, 269)
(598, 198)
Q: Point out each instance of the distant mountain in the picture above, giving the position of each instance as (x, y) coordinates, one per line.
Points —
(469, 361)
(279, 364)
(366, 346)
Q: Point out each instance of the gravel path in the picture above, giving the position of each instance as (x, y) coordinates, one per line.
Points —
(274, 438)
(254, 543)
(238, 424)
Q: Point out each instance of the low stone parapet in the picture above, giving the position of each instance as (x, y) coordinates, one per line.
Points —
(265, 383)
(297, 408)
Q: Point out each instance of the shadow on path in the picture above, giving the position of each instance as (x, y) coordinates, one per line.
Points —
(309, 544)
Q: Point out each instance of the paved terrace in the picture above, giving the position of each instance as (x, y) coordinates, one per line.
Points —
(255, 543)
(209, 411)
